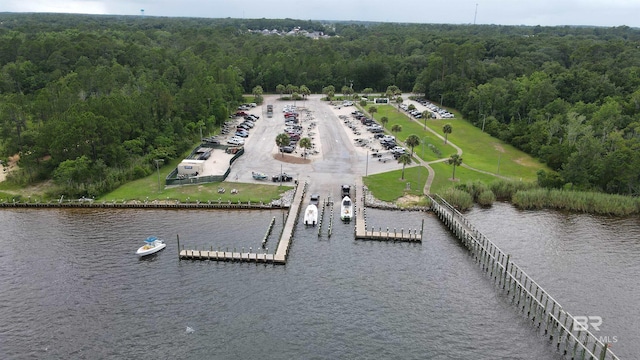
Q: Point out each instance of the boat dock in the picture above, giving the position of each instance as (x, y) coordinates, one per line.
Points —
(282, 250)
(387, 234)
(532, 301)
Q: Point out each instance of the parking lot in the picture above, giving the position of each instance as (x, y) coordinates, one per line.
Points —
(335, 158)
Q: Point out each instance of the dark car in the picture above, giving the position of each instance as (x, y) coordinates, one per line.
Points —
(281, 177)
(287, 149)
(346, 190)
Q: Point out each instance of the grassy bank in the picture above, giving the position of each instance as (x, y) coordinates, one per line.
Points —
(147, 189)
(390, 186)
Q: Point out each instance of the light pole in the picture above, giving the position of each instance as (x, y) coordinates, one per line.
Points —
(158, 161)
(366, 168)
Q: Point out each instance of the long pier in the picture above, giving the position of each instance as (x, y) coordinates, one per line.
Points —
(362, 233)
(569, 337)
(282, 250)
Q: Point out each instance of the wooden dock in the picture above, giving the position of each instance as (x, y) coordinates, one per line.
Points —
(387, 234)
(282, 250)
(532, 300)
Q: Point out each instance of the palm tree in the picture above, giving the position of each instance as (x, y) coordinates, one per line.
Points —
(405, 160)
(447, 129)
(384, 120)
(396, 128)
(399, 100)
(455, 160)
(282, 140)
(329, 91)
(305, 143)
(412, 141)
(304, 90)
(280, 89)
(373, 110)
(257, 93)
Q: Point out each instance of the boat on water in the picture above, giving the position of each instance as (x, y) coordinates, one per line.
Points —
(346, 209)
(151, 246)
(258, 175)
(311, 215)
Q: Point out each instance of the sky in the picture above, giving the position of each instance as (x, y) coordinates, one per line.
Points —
(500, 12)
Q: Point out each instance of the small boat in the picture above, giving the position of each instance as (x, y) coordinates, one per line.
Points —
(346, 209)
(152, 245)
(258, 175)
(311, 215)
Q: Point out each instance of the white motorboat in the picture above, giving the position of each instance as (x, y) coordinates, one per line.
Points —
(152, 245)
(346, 209)
(311, 215)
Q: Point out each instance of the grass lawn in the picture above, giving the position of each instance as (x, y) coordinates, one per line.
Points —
(433, 148)
(390, 186)
(483, 152)
(147, 189)
(479, 151)
(444, 172)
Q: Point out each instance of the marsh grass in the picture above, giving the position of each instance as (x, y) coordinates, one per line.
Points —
(459, 199)
(577, 201)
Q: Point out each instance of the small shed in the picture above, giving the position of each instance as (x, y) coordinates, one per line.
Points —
(191, 167)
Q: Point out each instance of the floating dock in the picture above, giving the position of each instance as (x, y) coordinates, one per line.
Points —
(282, 250)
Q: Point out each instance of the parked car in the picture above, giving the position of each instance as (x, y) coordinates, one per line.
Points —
(287, 149)
(315, 199)
(242, 134)
(235, 141)
(281, 177)
(345, 190)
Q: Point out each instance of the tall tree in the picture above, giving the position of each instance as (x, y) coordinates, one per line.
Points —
(384, 120)
(306, 144)
(282, 140)
(412, 141)
(396, 128)
(447, 129)
(405, 160)
(455, 160)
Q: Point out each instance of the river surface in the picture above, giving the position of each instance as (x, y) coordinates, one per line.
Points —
(72, 288)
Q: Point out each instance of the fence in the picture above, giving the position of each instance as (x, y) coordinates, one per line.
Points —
(172, 178)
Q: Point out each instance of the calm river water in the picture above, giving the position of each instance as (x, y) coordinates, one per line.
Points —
(72, 288)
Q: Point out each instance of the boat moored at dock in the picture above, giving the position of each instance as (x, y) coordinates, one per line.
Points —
(311, 215)
(346, 209)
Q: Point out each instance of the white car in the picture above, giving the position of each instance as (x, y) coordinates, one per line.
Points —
(235, 141)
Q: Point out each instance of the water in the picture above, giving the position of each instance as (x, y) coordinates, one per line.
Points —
(71, 287)
(587, 263)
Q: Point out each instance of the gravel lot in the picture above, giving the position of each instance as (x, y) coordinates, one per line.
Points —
(337, 162)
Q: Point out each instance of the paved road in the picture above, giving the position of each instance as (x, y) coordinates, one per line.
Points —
(338, 161)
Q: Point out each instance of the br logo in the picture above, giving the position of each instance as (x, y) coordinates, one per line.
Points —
(585, 322)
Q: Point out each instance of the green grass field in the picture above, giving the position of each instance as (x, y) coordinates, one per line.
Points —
(390, 185)
(479, 151)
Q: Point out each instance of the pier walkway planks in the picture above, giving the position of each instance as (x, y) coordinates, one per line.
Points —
(282, 251)
(385, 235)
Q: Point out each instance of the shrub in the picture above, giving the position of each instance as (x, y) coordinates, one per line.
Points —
(459, 199)
(486, 198)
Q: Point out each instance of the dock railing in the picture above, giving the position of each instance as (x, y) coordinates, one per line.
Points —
(569, 335)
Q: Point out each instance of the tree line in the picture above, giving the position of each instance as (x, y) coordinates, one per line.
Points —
(90, 101)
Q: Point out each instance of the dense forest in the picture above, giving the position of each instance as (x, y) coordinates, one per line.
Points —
(90, 101)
